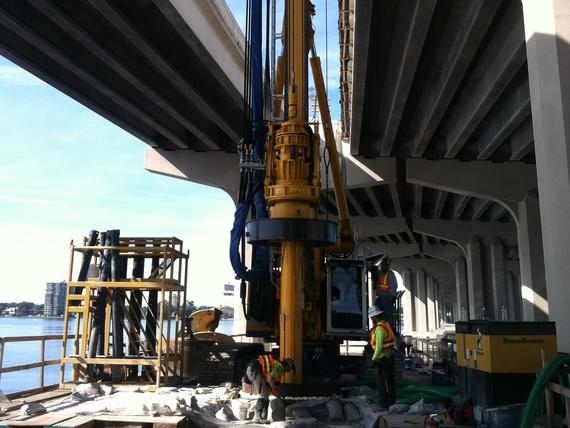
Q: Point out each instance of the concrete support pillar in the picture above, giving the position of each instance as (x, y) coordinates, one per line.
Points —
(475, 278)
(437, 305)
(462, 307)
(531, 256)
(431, 303)
(421, 300)
(512, 297)
(498, 277)
(408, 301)
(548, 56)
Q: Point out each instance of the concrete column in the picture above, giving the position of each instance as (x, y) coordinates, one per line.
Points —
(461, 289)
(498, 277)
(437, 305)
(548, 53)
(408, 301)
(421, 300)
(512, 309)
(475, 278)
(531, 257)
(431, 303)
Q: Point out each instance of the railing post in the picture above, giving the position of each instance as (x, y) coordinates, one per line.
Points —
(1, 353)
(42, 360)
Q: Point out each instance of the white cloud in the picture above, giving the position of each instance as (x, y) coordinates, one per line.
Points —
(16, 76)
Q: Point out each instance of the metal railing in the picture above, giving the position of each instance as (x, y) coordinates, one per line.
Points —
(41, 364)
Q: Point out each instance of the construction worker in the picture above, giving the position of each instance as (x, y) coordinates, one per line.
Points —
(264, 375)
(386, 290)
(383, 340)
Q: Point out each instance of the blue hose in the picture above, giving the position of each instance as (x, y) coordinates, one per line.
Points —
(251, 186)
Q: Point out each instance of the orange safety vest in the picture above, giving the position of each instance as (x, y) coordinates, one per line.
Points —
(383, 285)
(389, 340)
(267, 363)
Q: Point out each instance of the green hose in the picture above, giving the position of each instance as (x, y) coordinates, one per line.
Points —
(534, 403)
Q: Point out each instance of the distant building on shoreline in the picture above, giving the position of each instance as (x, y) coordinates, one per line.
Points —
(54, 305)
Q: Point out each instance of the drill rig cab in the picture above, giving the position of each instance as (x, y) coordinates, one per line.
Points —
(346, 301)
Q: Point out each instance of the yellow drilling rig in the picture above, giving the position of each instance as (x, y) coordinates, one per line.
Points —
(295, 253)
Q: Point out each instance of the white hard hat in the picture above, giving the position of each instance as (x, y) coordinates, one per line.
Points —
(374, 311)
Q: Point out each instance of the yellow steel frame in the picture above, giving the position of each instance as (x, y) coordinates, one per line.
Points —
(292, 181)
(169, 279)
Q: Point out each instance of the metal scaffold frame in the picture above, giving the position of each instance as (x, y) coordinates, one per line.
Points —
(161, 356)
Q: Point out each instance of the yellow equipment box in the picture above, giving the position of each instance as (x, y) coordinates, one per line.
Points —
(498, 361)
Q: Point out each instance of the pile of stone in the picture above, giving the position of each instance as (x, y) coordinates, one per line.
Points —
(223, 406)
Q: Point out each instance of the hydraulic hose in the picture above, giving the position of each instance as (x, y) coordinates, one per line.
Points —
(261, 301)
(534, 402)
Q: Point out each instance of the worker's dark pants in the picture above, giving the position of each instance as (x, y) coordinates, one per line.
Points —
(254, 376)
(385, 303)
(385, 381)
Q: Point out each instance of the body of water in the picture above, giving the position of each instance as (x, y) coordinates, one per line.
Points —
(29, 352)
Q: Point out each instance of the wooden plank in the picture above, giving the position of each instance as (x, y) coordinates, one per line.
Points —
(9, 415)
(162, 420)
(167, 284)
(109, 360)
(38, 397)
(44, 419)
(78, 309)
(76, 422)
(133, 251)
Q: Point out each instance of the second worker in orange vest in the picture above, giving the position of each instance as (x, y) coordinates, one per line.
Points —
(385, 290)
(382, 341)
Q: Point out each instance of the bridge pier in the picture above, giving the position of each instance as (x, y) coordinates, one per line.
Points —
(430, 303)
(408, 301)
(462, 307)
(421, 302)
(548, 53)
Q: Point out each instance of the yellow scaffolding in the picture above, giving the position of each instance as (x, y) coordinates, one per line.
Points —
(162, 357)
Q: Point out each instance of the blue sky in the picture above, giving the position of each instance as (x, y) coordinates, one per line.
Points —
(65, 170)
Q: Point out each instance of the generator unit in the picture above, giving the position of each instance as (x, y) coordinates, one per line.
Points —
(497, 361)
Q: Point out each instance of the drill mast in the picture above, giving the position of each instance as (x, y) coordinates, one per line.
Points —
(291, 185)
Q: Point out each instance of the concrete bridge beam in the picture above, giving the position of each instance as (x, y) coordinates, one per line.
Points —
(446, 253)
(361, 172)
(367, 227)
(393, 250)
(460, 232)
(196, 167)
(507, 181)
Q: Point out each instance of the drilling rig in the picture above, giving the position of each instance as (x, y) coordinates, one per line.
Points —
(281, 158)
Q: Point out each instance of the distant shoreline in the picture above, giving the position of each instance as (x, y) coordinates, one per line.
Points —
(31, 316)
